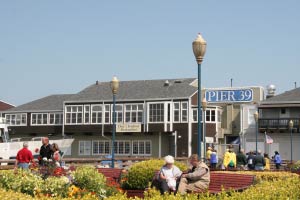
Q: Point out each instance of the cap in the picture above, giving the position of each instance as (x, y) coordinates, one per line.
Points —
(169, 159)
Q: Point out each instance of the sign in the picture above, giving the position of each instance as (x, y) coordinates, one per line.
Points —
(209, 139)
(218, 96)
(136, 127)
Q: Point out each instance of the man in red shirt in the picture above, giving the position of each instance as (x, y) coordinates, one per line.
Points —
(24, 157)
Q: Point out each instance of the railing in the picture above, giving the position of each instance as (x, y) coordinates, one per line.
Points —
(279, 123)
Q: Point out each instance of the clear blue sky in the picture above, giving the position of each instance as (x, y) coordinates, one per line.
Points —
(61, 47)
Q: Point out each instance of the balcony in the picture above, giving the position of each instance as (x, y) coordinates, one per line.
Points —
(279, 124)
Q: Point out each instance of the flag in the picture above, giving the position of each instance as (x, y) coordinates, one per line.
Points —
(269, 140)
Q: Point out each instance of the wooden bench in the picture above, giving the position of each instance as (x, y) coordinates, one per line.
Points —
(113, 175)
(226, 181)
(229, 181)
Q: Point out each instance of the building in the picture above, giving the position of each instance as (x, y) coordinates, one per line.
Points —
(5, 106)
(154, 118)
(275, 114)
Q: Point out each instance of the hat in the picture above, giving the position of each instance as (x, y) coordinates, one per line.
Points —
(169, 159)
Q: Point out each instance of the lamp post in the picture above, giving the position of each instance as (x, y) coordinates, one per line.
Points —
(204, 106)
(256, 129)
(291, 125)
(199, 48)
(114, 84)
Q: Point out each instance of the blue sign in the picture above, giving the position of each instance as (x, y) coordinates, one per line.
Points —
(245, 95)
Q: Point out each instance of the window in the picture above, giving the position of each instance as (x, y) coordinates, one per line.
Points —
(101, 147)
(156, 112)
(106, 114)
(134, 113)
(96, 114)
(87, 114)
(140, 147)
(84, 148)
(55, 118)
(210, 115)
(195, 114)
(122, 147)
(119, 113)
(74, 114)
(184, 112)
(176, 109)
(16, 119)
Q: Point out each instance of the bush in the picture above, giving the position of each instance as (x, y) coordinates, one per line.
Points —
(140, 174)
(88, 178)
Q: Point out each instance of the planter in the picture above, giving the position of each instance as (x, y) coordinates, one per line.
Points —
(135, 193)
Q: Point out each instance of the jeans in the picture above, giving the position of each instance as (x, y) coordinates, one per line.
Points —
(23, 165)
(259, 168)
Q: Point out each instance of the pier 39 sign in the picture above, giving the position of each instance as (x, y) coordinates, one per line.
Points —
(236, 95)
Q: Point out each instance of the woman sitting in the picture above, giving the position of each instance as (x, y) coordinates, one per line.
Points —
(169, 175)
(56, 154)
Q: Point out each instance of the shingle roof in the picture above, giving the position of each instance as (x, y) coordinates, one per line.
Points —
(49, 103)
(138, 90)
(288, 96)
(128, 90)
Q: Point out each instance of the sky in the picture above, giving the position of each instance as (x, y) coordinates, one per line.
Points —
(63, 46)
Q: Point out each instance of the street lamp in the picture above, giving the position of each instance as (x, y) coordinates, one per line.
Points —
(204, 106)
(256, 129)
(114, 84)
(291, 125)
(199, 48)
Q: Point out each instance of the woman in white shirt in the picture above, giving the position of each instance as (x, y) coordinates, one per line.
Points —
(169, 175)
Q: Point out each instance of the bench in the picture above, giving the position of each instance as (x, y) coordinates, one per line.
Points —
(113, 175)
(225, 181)
(229, 181)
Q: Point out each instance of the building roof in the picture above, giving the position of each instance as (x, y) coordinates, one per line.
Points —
(138, 90)
(5, 106)
(128, 90)
(49, 103)
(291, 96)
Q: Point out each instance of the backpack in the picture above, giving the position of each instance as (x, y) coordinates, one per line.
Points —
(231, 163)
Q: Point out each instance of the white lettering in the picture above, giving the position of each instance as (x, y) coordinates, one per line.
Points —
(224, 94)
(210, 95)
(231, 96)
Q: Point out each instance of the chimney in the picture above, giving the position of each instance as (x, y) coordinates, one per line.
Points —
(167, 83)
(97, 82)
(270, 91)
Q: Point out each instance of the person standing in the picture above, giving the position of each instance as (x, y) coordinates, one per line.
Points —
(24, 157)
(277, 160)
(241, 160)
(259, 161)
(267, 161)
(229, 159)
(45, 151)
(208, 153)
(250, 161)
(213, 159)
(197, 178)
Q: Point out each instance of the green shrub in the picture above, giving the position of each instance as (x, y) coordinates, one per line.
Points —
(88, 178)
(140, 174)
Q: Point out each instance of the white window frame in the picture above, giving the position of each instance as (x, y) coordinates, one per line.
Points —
(210, 115)
(60, 118)
(8, 118)
(103, 151)
(87, 147)
(98, 113)
(194, 111)
(149, 113)
(87, 110)
(117, 146)
(74, 112)
(184, 109)
(177, 110)
(139, 150)
(132, 112)
(107, 111)
(117, 113)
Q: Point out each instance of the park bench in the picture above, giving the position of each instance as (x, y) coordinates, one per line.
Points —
(113, 175)
(226, 181)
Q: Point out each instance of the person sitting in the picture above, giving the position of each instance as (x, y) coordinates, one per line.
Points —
(169, 175)
(250, 161)
(241, 160)
(197, 179)
(267, 161)
(208, 154)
